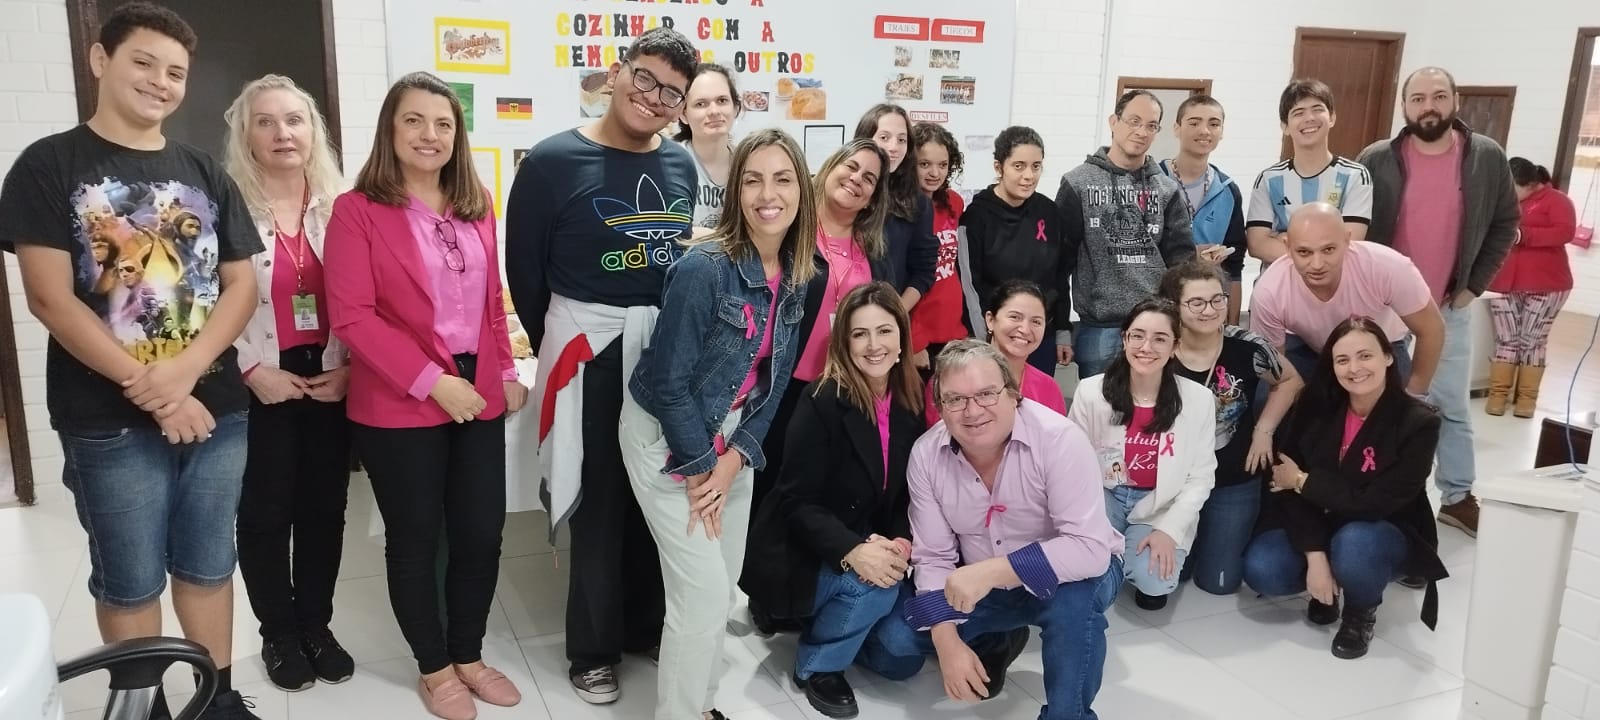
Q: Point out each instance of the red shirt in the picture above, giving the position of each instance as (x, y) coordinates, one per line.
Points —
(1139, 454)
(298, 269)
(1538, 262)
(1429, 226)
(937, 316)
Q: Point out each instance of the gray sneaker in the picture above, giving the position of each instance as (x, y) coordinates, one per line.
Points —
(597, 686)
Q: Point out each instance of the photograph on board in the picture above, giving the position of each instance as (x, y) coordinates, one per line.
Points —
(594, 93)
(943, 59)
(468, 45)
(755, 100)
(957, 90)
(903, 87)
(902, 56)
(464, 92)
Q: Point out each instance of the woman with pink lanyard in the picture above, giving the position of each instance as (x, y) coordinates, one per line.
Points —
(852, 204)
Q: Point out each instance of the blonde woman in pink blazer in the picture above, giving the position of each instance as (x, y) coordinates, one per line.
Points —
(431, 380)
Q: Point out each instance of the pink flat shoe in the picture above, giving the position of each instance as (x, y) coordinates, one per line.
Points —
(493, 687)
(450, 700)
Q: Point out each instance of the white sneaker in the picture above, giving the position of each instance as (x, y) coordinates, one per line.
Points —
(597, 686)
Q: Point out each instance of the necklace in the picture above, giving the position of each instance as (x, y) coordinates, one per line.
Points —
(1205, 187)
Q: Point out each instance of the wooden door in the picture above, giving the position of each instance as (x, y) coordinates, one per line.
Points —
(1487, 109)
(1363, 69)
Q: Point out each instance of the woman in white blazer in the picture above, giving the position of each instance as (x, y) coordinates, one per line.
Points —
(297, 473)
(1154, 433)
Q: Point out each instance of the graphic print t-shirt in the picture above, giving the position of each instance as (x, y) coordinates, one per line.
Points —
(147, 231)
(708, 194)
(1233, 379)
(1139, 457)
(612, 218)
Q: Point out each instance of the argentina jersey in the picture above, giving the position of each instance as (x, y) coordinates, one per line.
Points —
(1280, 191)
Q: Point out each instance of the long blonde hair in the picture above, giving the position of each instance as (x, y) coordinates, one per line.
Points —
(322, 171)
(731, 233)
(868, 226)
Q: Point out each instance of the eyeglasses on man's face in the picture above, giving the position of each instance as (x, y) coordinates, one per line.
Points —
(1135, 124)
(958, 403)
(644, 81)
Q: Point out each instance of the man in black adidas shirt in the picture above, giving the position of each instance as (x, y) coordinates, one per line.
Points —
(592, 222)
(134, 251)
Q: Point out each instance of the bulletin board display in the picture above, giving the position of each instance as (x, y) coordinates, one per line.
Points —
(527, 70)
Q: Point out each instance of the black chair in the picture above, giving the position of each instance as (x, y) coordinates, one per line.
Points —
(136, 667)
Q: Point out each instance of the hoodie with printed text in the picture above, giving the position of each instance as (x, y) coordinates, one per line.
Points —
(1124, 228)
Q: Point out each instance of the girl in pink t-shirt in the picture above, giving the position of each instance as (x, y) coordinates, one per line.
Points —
(1016, 322)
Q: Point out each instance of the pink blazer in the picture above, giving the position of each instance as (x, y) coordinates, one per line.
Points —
(380, 305)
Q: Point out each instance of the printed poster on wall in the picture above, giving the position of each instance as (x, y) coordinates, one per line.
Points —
(810, 67)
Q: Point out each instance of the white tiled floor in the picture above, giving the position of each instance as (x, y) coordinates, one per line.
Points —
(1238, 657)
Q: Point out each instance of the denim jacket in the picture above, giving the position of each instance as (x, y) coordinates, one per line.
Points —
(713, 312)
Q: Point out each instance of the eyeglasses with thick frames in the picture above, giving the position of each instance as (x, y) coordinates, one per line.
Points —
(644, 81)
(453, 257)
(958, 403)
(1197, 304)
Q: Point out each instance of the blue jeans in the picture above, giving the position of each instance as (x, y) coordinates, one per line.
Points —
(1216, 560)
(1365, 557)
(151, 508)
(1073, 631)
(1449, 392)
(1119, 502)
(846, 610)
(1094, 347)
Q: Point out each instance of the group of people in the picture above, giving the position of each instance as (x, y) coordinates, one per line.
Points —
(835, 392)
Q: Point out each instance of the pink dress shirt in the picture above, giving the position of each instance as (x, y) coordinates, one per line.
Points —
(457, 295)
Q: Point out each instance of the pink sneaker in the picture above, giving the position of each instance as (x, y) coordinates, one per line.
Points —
(493, 687)
(450, 700)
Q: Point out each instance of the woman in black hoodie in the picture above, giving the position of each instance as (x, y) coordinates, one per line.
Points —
(1009, 232)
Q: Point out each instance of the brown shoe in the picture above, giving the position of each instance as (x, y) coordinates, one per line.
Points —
(1528, 379)
(1462, 515)
(1502, 376)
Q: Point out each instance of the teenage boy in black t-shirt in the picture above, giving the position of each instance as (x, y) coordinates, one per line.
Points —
(592, 222)
(141, 381)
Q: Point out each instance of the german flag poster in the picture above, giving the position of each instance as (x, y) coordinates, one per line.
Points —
(513, 108)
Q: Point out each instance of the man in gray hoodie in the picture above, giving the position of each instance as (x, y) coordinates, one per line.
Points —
(1125, 225)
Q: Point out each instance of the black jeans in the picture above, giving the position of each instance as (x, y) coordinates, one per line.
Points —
(296, 481)
(454, 476)
(615, 602)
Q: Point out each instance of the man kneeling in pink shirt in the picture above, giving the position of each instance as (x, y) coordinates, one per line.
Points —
(1009, 491)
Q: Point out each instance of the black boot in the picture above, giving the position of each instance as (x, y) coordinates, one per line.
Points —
(1355, 633)
(1320, 614)
(830, 694)
(995, 663)
(1149, 602)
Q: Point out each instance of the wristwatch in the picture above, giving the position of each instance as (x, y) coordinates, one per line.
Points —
(1300, 482)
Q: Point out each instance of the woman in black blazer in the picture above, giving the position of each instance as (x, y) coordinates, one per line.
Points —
(1348, 511)
(831, 542)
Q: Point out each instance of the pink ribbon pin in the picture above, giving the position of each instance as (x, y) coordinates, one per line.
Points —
(1040, 237)
(749, 322)
(1222, 378)
(989, 516)
(1368, 462)
(1167, 449)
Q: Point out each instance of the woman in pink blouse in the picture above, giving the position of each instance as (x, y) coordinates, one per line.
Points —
(1016, 322)
(431, 379)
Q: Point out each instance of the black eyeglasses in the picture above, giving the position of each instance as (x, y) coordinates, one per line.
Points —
(453, 257)
(1217, 302)
(645, 81)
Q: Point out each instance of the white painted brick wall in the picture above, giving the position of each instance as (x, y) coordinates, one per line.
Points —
(1574, 688)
